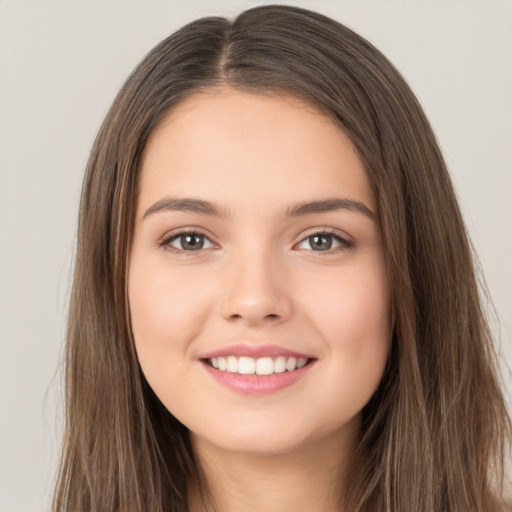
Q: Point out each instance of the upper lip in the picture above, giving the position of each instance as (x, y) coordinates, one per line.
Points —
(254, 351)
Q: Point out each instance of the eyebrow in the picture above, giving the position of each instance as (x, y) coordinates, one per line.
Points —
(329, 205)
(186, 204)
(199, 206)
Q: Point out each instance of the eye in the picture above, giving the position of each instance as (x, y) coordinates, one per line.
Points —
(186, 241)
(325, 241)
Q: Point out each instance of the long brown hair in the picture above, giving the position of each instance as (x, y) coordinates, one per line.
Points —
(435, 434)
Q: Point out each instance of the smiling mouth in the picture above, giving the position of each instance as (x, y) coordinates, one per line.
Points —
(257, 366)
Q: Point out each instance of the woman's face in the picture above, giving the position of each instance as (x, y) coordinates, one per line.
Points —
(257, 289)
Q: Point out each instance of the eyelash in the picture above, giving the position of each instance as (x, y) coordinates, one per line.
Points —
(165, 242)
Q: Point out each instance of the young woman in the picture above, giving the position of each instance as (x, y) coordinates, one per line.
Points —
(274, 304)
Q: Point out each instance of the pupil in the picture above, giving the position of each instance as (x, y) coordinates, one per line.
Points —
(193, 242)
(321, 242)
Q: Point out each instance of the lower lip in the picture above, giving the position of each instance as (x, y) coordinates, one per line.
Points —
(257, 384)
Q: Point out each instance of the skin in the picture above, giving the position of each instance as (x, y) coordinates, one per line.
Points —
(260, 278)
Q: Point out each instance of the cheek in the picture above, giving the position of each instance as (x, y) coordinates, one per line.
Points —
(156, 306)
(165, 315)
(353, 305)
(353, 320)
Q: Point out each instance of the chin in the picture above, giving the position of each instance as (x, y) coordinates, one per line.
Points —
(250, 445)
(262, 438)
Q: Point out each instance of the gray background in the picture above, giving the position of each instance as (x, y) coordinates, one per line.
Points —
(62, 62)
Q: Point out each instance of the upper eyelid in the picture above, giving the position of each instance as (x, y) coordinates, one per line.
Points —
(184, 231)
(329, 231)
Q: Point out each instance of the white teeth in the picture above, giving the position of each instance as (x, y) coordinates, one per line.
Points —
(291, 364)
(301, 362)
(261, 366)
(264, 366)
(246, 366)
(232, 364)
(280, 365)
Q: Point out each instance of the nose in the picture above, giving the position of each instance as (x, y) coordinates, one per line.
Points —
(256, 291)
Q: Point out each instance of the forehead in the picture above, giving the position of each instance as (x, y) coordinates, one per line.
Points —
(226, 140)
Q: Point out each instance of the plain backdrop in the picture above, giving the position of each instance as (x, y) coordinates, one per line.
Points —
(62, 62)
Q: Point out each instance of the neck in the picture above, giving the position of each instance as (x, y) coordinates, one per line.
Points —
(311, 477)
